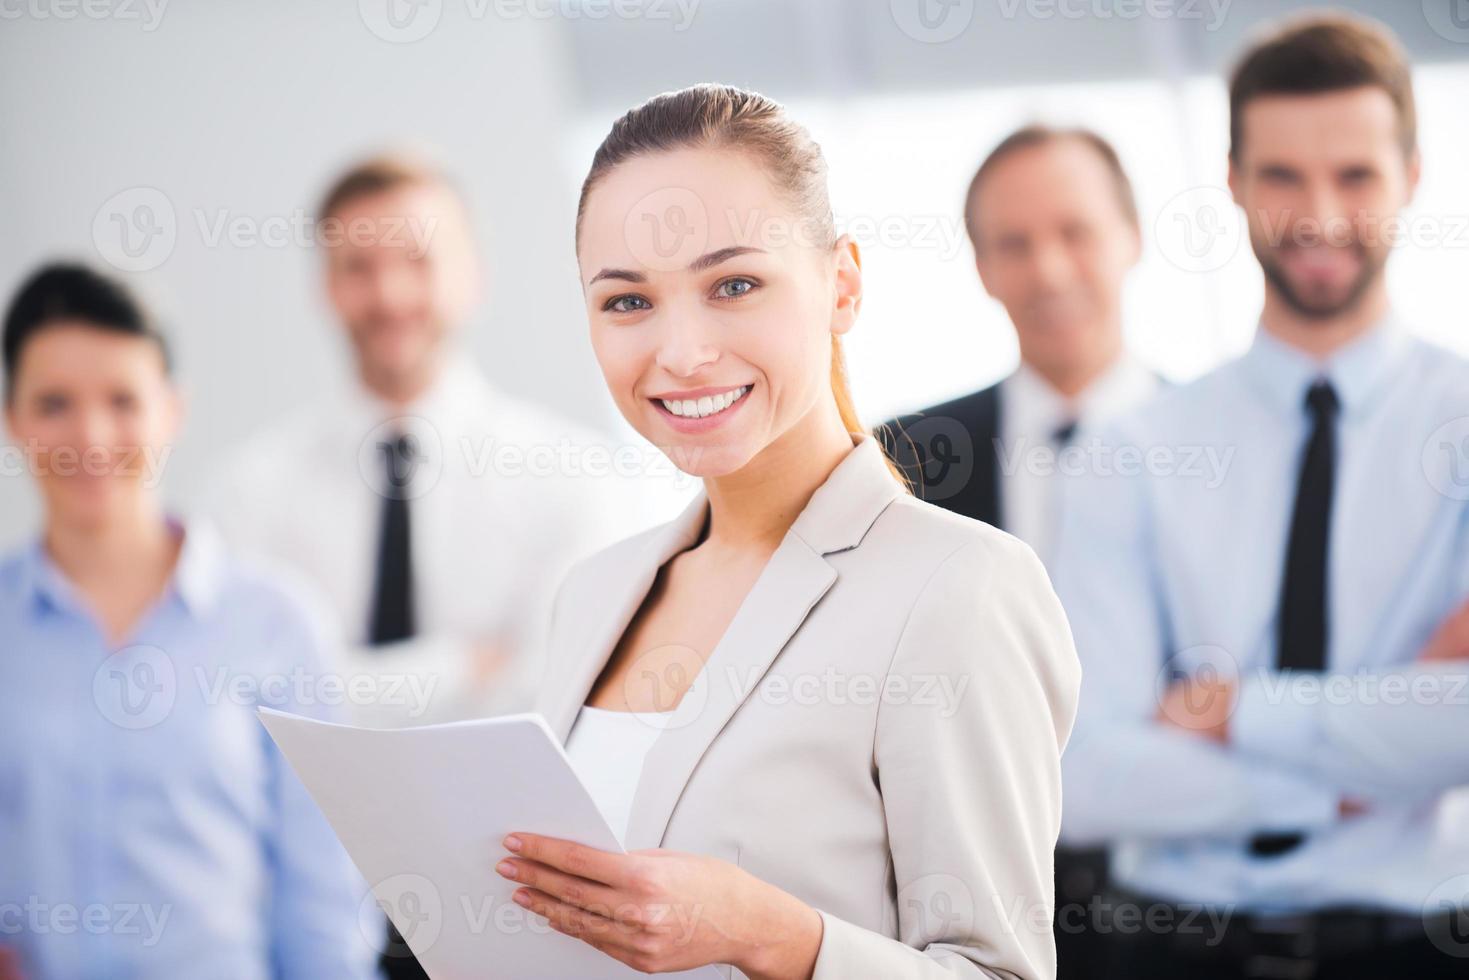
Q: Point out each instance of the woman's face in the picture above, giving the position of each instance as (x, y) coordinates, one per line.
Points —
(712, 304)
(94, 414)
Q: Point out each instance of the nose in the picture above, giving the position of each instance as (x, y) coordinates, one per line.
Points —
(1324, 208)
(1051, 265)
(393, 288)
(686, 346)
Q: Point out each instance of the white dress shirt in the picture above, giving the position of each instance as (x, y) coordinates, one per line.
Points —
(1031, 411)
(607, 750)
(503, 498)
(1171, 564)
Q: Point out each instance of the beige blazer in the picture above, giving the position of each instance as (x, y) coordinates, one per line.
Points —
(878, 732)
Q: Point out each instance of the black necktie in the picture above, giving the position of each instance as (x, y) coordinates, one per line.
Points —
(1301, 625)
(392, 597)
(1064, 433)
(392, 619)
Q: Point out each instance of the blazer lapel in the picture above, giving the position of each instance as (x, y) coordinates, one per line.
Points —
(792, 582)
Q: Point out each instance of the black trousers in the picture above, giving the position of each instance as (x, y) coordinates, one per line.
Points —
(398, 962)
(1081, 880)
(1157, 957)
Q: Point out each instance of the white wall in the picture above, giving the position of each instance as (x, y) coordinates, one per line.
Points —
(246, 110)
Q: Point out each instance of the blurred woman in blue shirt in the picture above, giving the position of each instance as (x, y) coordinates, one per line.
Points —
(147, 825)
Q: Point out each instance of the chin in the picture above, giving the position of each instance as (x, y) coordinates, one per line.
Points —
(703, 459)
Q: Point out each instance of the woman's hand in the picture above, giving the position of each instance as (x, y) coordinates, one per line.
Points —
(662, 911)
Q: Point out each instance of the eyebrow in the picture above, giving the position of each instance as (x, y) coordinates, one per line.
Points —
(705, 261)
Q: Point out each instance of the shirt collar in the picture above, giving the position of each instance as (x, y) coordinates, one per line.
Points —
(197, 580)
(1283, 373)
(1037, 408)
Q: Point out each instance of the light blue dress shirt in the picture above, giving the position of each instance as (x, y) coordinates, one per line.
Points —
(1175, 534)
(148, 826)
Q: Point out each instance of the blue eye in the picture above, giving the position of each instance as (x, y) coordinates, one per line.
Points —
(735, 288)
(626, 304)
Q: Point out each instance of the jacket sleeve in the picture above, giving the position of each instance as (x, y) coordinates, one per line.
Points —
(970, 776)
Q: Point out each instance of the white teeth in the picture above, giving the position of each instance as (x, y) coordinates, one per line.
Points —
(708, 405)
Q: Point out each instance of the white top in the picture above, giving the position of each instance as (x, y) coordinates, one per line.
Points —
(607, 751)
(1030, 413)
(499, 509)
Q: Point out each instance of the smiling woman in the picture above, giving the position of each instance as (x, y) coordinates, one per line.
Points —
(879, 831)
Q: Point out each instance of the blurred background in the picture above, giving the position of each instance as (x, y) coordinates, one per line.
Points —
(186, 143)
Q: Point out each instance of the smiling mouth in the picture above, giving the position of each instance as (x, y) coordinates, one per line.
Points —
(704, 407)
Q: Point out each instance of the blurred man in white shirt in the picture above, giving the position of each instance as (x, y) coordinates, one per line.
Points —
(1054, 225)
(436, 513)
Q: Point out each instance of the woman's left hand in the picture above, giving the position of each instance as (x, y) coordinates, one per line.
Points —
(662, 911)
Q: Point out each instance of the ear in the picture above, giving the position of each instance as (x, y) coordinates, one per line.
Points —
(979, 267)
(1134, 244)
(1414, 171)
(848, 285)
(1234, 179)
(175, 406)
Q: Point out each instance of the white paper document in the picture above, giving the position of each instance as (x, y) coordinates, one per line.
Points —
(423, 811)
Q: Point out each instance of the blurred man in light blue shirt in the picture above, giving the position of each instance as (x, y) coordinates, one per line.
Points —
(148, 827)
(1254, 567)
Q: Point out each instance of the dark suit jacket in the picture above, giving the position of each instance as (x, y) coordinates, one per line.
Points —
(950, 455)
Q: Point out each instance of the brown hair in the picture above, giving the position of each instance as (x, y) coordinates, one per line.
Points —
(722, 116)
(1324, 52)
(376, 175)
(1041, 135)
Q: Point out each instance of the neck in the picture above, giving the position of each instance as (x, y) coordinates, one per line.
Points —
(1322, 337)
(1070, 380)
(756, 505)
(127, 549)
